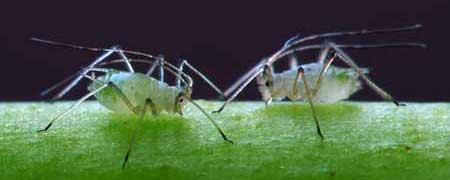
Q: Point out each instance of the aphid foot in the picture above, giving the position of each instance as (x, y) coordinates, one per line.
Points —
(320, 133)
(230, 141)
(221, 97)
(218, 111)
(125, 160)
(398, 104)
(46, 128)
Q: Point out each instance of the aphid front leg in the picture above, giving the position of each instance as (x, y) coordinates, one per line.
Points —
(265, 83)
(346, 59)
(301, 74)
(201, 75)
(148, 103)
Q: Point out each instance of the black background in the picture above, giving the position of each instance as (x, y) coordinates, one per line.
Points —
(223, 39)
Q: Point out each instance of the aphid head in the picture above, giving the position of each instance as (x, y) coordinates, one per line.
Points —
(182, 99)
(265, 83)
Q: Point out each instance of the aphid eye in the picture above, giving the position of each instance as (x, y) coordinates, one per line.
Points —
(267, 84)
(181, 100)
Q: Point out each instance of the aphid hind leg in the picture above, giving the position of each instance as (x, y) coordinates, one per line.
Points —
(78, 78)
(268, 76)
(123, 97)
(301, 74)
(59, 116)
(103, 86)
(348, 60)
(116, 90)
(148, 102)
(325, 58)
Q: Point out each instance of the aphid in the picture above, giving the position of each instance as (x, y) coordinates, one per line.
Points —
(318, 81)
(130, 91)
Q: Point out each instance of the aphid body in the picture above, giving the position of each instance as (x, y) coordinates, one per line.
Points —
(318, 81)
(137, 87)
(133, 92)
(337, 84)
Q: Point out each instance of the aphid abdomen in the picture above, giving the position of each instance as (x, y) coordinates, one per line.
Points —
(338, 84)
(283, 85)
(284, 82)
(137, 88)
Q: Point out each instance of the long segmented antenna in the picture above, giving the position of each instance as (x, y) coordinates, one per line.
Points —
(93, 48)
(292, 42)
(109, 51)
(190, 82)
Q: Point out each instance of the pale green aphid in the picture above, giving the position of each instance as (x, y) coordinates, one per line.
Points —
(136, 87)
(131, 92)
(318, 81)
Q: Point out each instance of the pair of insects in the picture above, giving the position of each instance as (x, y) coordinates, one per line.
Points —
(139, 93)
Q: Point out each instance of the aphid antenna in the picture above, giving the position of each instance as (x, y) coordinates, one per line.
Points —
(292, 42)
(114, 49)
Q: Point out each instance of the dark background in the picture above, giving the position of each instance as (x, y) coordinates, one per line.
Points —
(223, 40)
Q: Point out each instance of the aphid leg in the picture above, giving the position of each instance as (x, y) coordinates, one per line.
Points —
(161, 68)
(324, 56)
(211, 120)
(148, 102)
(127, 61)
(123, 97)
(293, 62)
(246, 82)
(301, 74)
(74, 105)
(93, 75)
(60, 83)
(180, 69)
(245, 77)
(76, 80)
(268, 76)
(196, 71)
(152, 68)
(346, 58)
(115, 89)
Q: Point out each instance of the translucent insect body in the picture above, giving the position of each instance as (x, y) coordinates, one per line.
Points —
(132, 92)
(318, 81)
